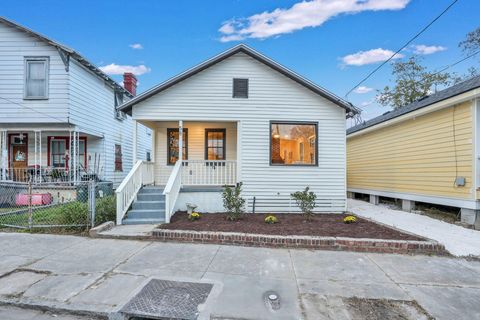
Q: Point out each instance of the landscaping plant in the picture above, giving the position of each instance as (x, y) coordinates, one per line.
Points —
(194, 216)
(305, 201)
(105, 209)
(350, 219)
(233, 202)
(271, 219)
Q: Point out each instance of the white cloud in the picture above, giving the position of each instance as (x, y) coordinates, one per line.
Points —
(136, 46)
(363, 89)
(423, 49)
(301, 15)
(119, 69)
(368, 57)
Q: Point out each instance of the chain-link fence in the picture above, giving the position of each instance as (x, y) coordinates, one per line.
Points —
(56, 205)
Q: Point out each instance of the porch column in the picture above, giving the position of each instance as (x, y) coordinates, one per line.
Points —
(239, 152)
(37, 155)
(135, 134)
(153, 147)
(3, 153)
(180, 140)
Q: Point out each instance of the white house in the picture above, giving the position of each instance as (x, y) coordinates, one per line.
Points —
(238, 117)
(58, 116)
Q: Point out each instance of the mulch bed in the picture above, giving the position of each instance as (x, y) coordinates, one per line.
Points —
(322, 225)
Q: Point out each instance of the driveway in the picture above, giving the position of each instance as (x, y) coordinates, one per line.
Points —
(84, 275)
(459, 241)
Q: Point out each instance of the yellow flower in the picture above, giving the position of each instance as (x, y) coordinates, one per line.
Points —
(194, 216)
(350, 219)
(271, 219)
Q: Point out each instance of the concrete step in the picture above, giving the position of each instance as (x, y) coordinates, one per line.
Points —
(151, 190)
(143, 221)
(146, 214)
(150, 197)
(158, 205)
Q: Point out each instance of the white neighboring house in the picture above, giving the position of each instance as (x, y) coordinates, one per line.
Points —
(239, 117)
(58, 117)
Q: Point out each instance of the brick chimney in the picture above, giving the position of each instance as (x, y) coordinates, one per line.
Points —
(130, 82)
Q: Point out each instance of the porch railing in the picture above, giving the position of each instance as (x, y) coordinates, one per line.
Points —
(39, 174)
(172, 189)
(141, 174)
(209, 172)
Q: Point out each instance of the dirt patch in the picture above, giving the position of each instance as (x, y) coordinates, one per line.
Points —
(381, 309)
(323, 225)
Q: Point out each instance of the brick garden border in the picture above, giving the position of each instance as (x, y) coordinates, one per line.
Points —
(307, 242)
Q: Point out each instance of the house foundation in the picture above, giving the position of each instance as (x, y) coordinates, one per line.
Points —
(470, 216)
(408, 205)
(374, 199)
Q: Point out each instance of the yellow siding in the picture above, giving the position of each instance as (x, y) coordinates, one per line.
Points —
(416, 156)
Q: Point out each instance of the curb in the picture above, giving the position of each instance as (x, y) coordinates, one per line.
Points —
(94, 232)
(305, 242)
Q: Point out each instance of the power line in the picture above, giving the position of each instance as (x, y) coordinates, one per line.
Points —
(403, 47)
(359, 120)
(45, 114)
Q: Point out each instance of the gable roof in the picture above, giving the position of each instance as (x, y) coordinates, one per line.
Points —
(426, 101)
(351, 110)
(66, 52)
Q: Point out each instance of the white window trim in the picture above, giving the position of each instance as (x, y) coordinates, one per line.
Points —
(47, 71)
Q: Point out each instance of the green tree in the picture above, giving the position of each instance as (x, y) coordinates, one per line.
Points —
(471, 43)
(412, 82)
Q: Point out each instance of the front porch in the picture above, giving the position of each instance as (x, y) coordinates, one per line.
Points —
(49, 154)
(198, 157)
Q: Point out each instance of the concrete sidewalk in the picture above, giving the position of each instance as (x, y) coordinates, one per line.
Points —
(98, 276)
(457, 240)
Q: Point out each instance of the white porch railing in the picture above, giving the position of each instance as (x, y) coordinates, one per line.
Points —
(172, 189)
(209, 172)
(141, 174)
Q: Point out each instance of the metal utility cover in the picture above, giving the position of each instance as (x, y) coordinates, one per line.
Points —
(161, 299)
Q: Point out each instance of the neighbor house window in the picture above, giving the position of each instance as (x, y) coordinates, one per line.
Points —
(215, 148)
(36, 78)
(293, 143)
(173, 143)
(118, 158)
(58, 152)
(240, 88)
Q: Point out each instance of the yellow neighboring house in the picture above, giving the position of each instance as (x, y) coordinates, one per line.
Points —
(427, 151)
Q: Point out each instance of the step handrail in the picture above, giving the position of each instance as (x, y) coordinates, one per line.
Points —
(172, 189)
(141, 174)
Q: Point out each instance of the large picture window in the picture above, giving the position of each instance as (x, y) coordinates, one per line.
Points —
(173, 142)
(293, 143)
(215, 148)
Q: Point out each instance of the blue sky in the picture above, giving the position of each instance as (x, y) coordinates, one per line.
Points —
(322, 40)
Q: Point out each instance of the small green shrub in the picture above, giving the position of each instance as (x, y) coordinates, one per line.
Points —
(271, 219)
(105, 209)
(305, 201)
(233, 202)
(71, 213)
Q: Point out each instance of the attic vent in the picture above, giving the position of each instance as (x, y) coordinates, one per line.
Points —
(240, 88)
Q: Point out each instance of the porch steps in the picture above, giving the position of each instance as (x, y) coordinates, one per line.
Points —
(149, 208)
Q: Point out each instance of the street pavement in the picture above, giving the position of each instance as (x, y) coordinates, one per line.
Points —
(96, 277)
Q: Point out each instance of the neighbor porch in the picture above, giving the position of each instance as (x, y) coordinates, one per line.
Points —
(49, 154)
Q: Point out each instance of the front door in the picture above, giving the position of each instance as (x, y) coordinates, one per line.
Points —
(19, 162)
